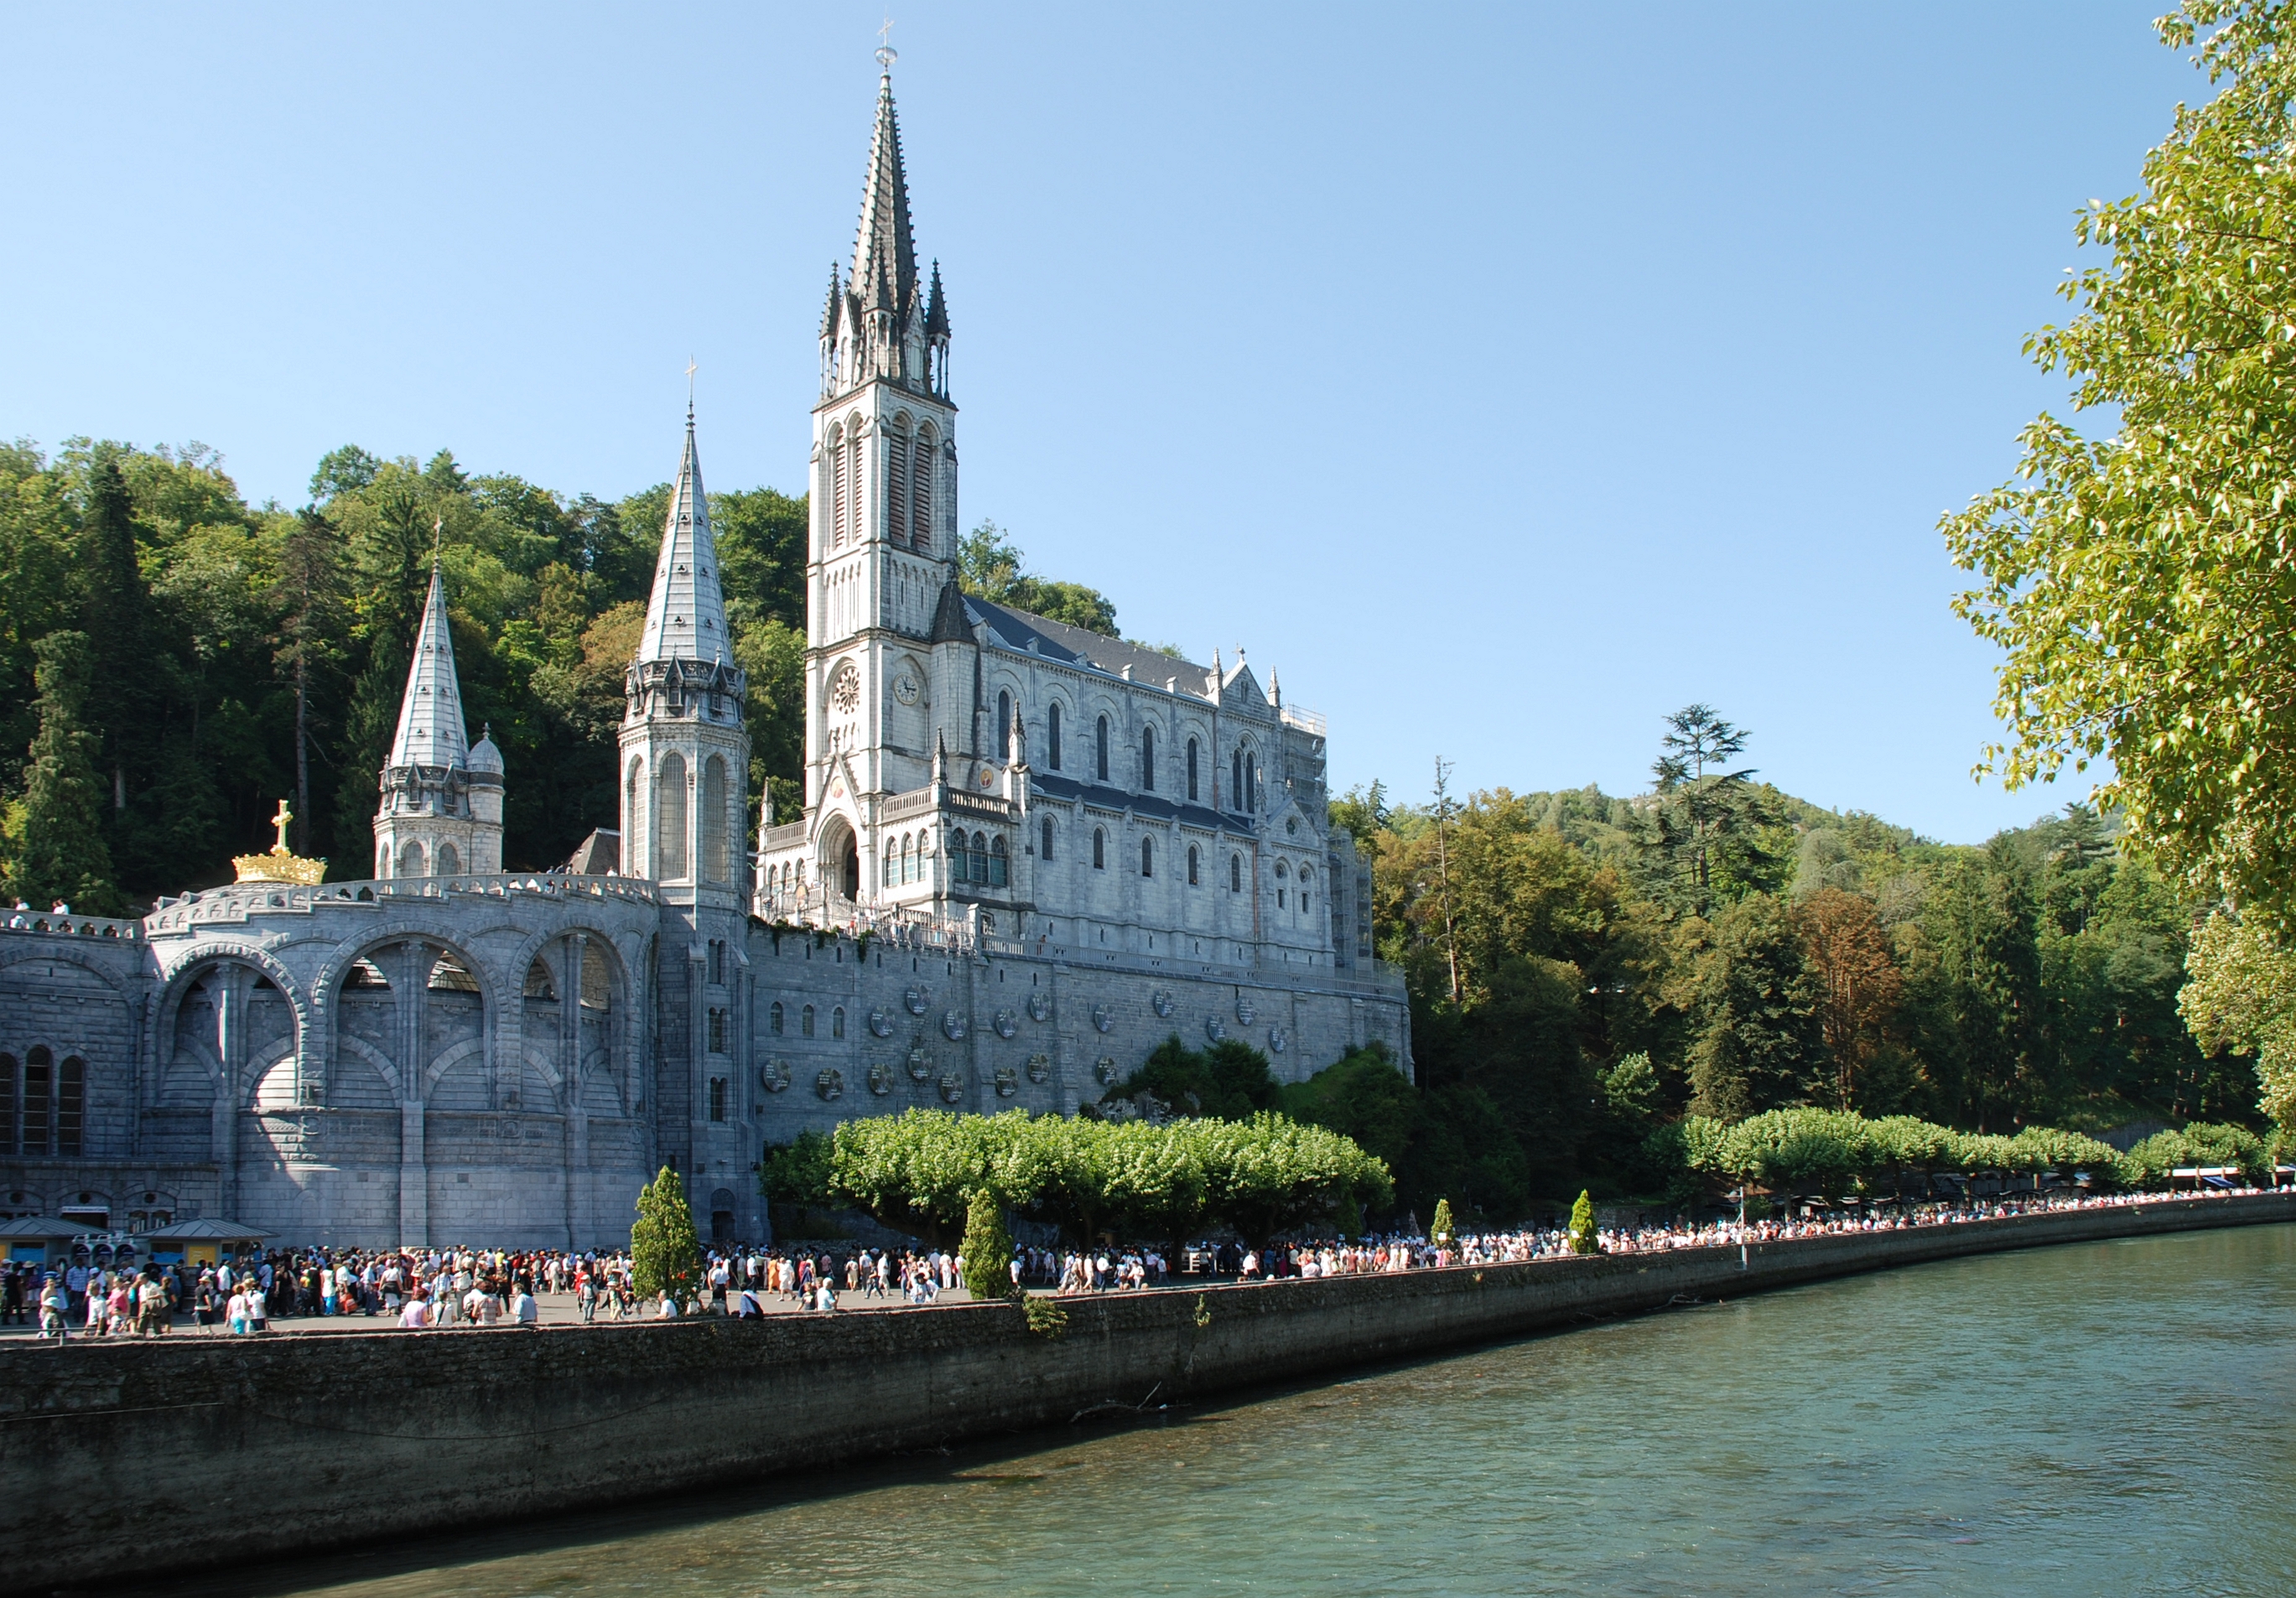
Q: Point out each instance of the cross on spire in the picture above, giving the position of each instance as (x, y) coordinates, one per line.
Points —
(886, 55)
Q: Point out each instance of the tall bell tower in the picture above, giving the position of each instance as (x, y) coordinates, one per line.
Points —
(882, 552)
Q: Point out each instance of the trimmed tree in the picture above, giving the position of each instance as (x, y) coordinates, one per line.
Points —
(1582, 1237)
(664, 1250)
(1443, 1233)
(986, 1248)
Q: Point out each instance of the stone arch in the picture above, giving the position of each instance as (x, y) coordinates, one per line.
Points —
(448, 1059)
(179, 976)
(271, 1077)
(327, 986)
(343, 1091)
(837, 855)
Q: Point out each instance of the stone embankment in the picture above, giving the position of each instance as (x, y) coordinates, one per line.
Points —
(115, 1455)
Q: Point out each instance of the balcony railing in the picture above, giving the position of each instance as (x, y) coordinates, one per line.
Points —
(240, 900)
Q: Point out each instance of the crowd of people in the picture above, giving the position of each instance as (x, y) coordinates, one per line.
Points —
(420, 1289)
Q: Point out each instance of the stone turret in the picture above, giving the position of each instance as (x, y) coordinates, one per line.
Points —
(441, 814)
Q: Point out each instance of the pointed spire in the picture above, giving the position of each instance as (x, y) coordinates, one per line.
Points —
(1275, 689)
(885, 252)
(431, 731)
(828, 311)
(936, 308)
(685, 617)
(1020, 744)
(940, 759)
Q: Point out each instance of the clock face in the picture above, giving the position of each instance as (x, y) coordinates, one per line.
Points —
(905, 689)
(845, 690)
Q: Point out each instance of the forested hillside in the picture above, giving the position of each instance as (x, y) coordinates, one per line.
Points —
(206, 657)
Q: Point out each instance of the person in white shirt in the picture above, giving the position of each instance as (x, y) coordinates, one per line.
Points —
(523, 1309)
(417, 1316)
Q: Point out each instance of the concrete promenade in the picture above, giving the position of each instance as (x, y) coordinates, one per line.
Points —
(202, 1449)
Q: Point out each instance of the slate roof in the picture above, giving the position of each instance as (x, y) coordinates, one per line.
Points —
(885, 253)
(685, 616)
(1075, 645)
(431, 731)
(1155, 806)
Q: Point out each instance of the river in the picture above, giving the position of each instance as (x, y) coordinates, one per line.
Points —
(2101, 1418)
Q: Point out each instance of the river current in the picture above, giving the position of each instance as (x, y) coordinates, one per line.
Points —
(2103, 1418)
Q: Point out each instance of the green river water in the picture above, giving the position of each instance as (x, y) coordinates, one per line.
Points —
(2100, 1419)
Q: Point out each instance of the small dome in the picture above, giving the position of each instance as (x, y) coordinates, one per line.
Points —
(484, 755)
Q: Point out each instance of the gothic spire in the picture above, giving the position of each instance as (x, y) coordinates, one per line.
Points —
(936, 308)
(829, 312)
(885, 253)
(431, 731)
(685, 617)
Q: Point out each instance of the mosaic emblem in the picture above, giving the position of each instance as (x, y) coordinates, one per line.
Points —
(1161, 1002)
(1040, 1008)
(1105, 1070)
(881, 1025)
(1040, 1068)
(1008, 1081)
(830, 1084)
(1006, 1023)
(920, 1064)
(1246, 1011)
(1278, 1039)
(954, 1024)
(1216, 1028)
(916, 1000)
(952, 1085)
(1101, 1019)
(881, 1078)
(774, 1076)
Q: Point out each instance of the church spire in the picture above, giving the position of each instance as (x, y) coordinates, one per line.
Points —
(685, 617)
(431, 730)
(884, 276)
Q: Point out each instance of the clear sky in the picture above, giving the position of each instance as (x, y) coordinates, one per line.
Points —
(1504, 377)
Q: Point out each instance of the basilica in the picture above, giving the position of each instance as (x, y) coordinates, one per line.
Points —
(1027, 855)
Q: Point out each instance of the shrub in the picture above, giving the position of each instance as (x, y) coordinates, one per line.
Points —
(1584, 1239)
(664, 1250)
(986, 1248)
(1443, 1235)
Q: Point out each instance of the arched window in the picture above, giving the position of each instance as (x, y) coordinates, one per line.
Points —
(39, 1085)
(956, 857)
(981, 858)
(670, 820)
(1053, 736)
(716, 1098)
(1147, 857)
(841, 492)
(71, 1103)
(908, 858)
(920, 492)
(7, 1103)
(1235, 873)
(410, 859)
(892, 869)
(1192, 879)
(1000, 866)
(1099, 850)
(1192, 771)
(857, 470)
(1251, 784)
(837, 1021)
(805, 1022)
(714, 864)
(450, 863)
(1282, 874)
(1305, 877)
(777, 1019)
(1235, 779)
(1005, 724)
(1148, 760)
(1100, 751)
(897, 480)
(1047, 851)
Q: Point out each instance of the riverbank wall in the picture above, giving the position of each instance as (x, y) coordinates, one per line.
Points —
(120, 1457)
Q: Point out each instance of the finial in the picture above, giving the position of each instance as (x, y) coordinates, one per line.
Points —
(886, 55)
(280, 820)
(692, 366)
(438, 539)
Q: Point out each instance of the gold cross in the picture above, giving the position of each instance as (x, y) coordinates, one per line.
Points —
(280, 820)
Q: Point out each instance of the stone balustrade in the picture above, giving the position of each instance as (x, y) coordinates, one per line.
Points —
(62, 923)
(241, 901)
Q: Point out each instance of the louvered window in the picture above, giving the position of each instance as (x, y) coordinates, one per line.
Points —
(839, 496)
(920, 491)
(897, 487)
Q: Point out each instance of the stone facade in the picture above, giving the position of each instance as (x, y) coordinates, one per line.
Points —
(1028, 854)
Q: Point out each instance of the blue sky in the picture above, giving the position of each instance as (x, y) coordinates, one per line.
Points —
(1504, 377)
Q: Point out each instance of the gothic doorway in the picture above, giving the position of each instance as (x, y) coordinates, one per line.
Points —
(840, 860)
(721, 1216)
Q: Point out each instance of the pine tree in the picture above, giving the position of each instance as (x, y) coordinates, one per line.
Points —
(1443, 1235)
(1584, 1239)
(56, 844)
(114, 612)
(986, 1248)
(664, 1250)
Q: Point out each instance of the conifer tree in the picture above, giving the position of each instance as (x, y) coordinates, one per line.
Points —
(1584, 1239)
(986, 1248)
(664, 1250)
(114, 612)
(56, 844)
(1443, 1233)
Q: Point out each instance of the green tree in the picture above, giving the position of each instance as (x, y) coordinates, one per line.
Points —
(986, 1248)
(1760, 1041)
(665, 1253)
(56, 842)
(2135, 582)
(2242, 996)
(1584, 1237)
(990, 565)
(1443, 1233)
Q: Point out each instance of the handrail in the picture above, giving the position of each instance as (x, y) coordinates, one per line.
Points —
(63, 923)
